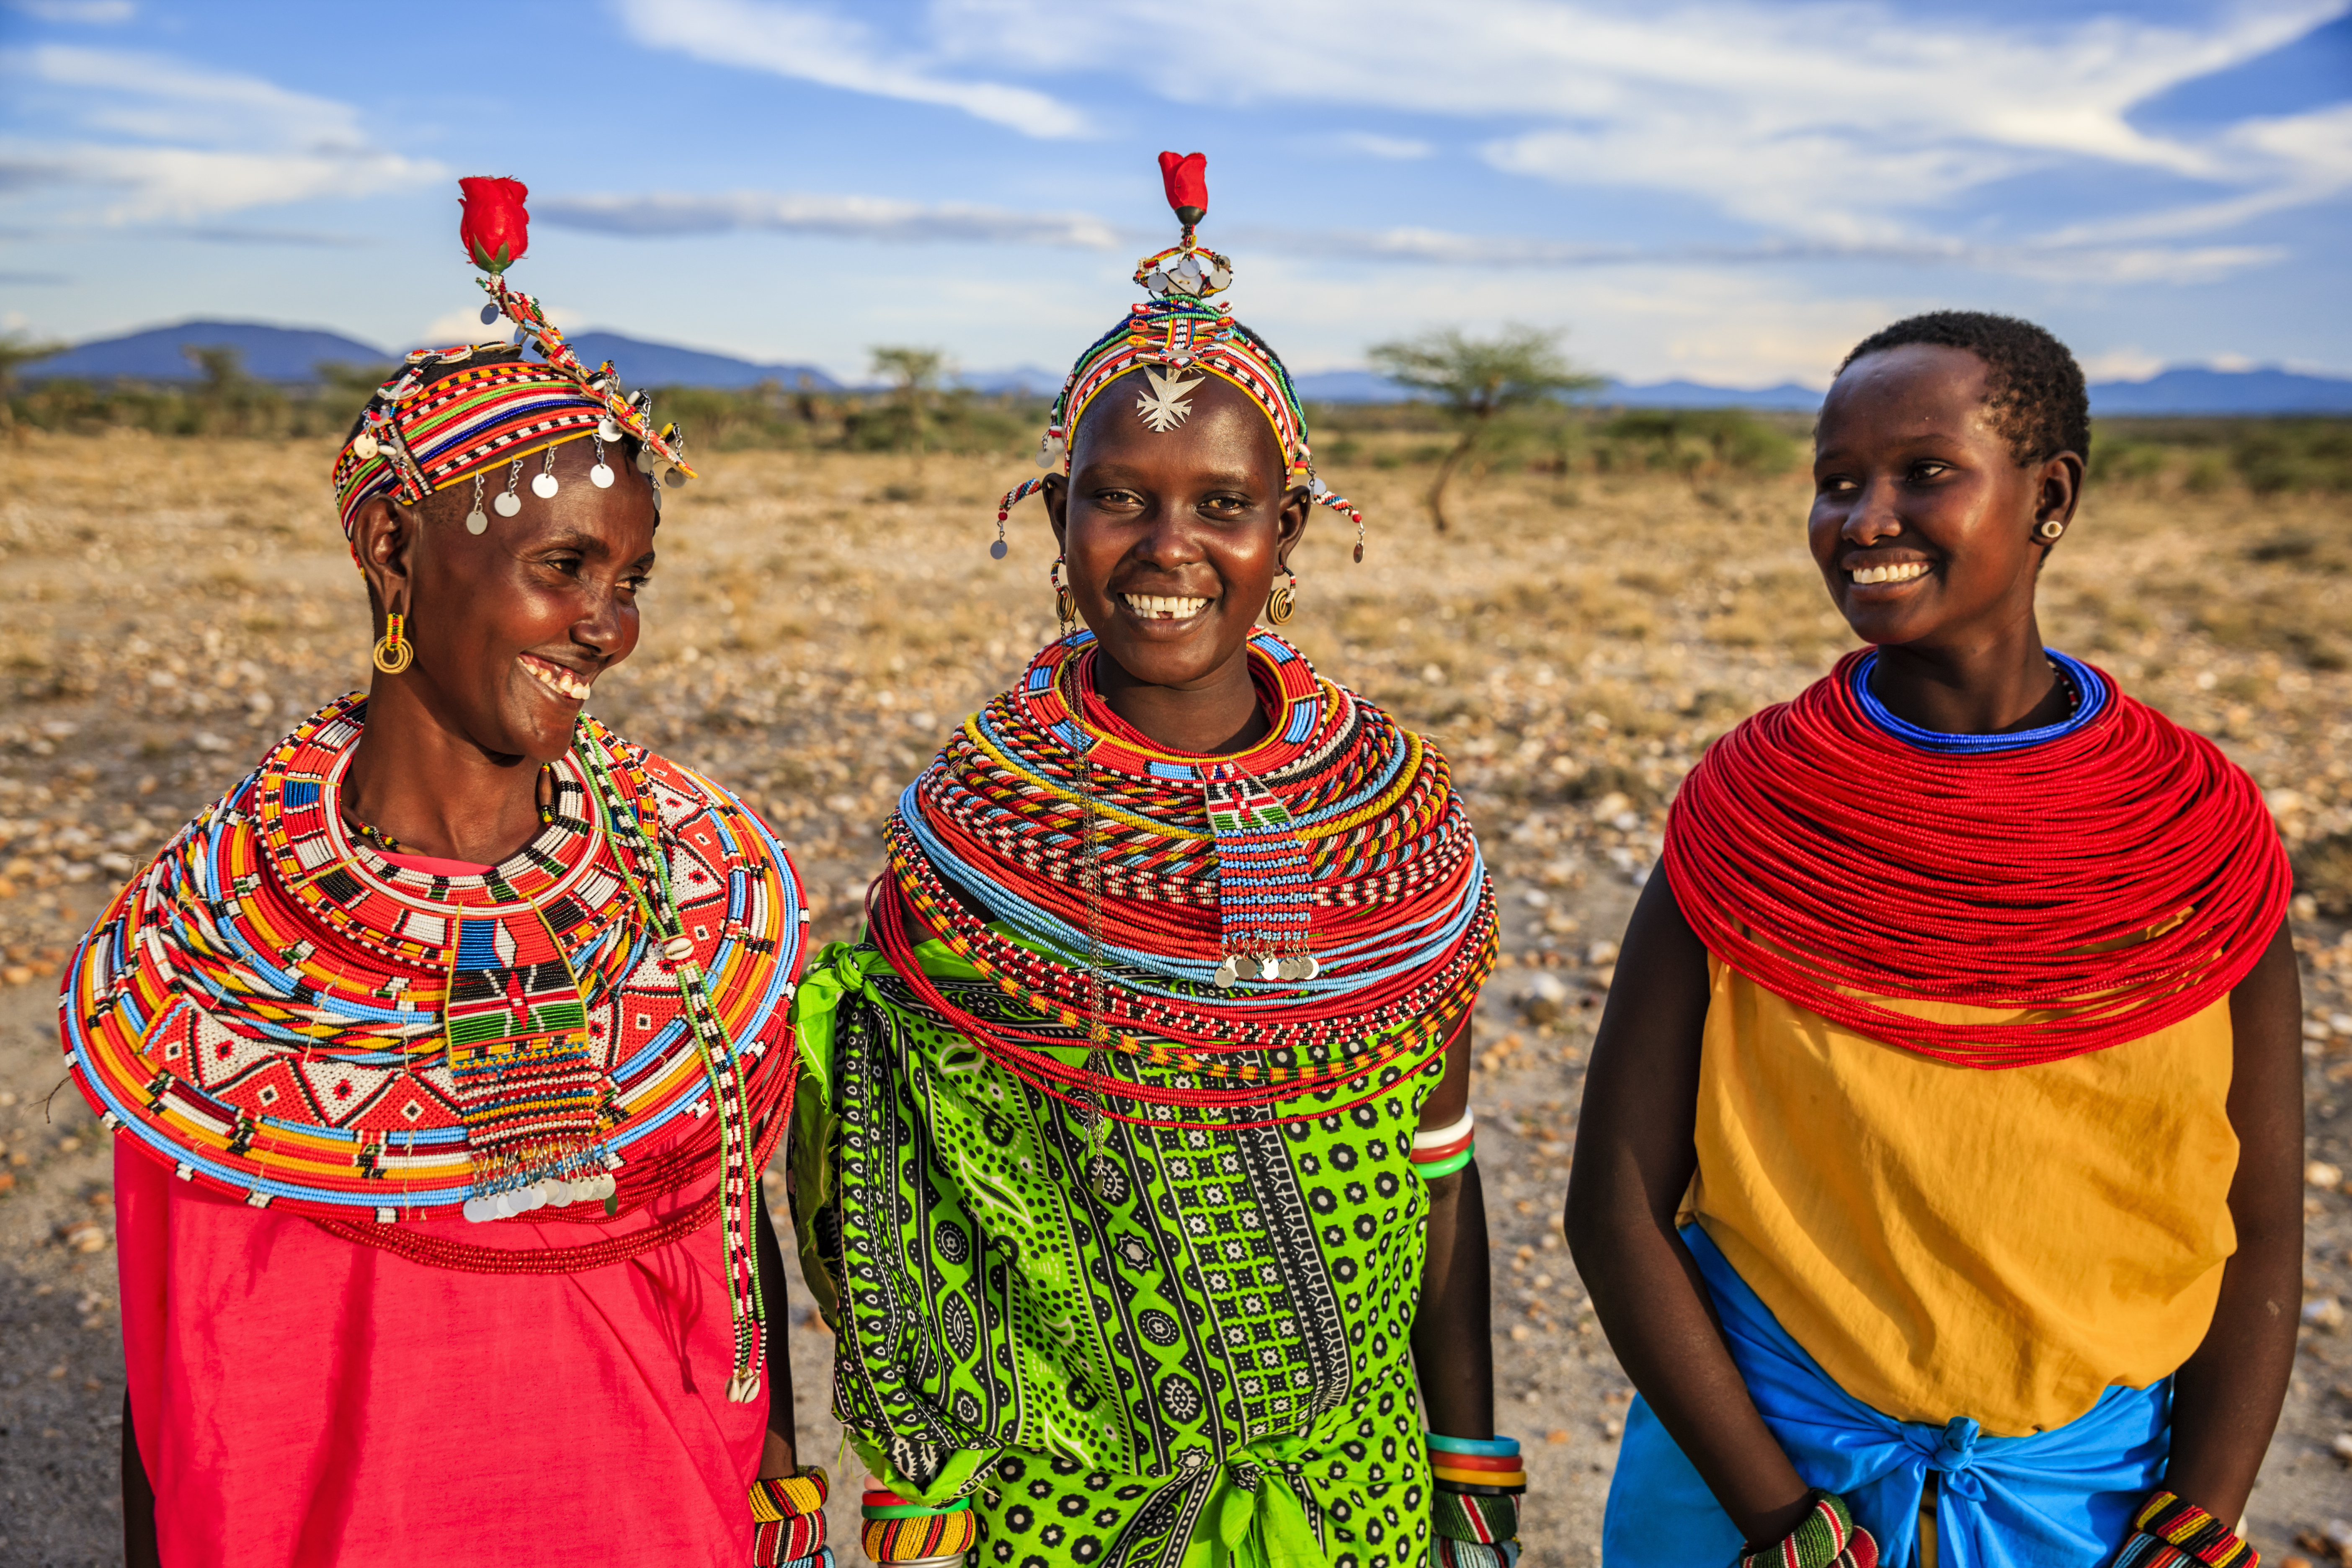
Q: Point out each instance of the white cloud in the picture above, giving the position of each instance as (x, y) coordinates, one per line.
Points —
(83, 13)
(852, 216)
(183, 142)
(1374, 145)
(1848, 121)
(2129, 362)
(811, 45)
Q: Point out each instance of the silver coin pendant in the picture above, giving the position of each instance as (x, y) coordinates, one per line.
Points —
(508, 504)
(543, 486)
(600, 476)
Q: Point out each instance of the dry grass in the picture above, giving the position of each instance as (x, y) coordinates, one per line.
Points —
(167, 607)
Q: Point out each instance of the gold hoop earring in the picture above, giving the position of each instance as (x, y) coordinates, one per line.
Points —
(2048, 530)
(392, 650)
(1283, 603)
(1066, 604)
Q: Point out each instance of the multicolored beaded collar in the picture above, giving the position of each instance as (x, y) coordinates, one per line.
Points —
(1244, 928)
(289, 1017)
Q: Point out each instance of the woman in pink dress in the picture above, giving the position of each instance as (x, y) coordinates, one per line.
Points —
(445, 1051)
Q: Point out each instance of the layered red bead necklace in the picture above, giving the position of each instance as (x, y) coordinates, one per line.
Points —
(2101, 884)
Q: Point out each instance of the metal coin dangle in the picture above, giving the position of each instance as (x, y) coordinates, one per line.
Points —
(475, 522)
(600, 476)
(542, 484)
(508, 503)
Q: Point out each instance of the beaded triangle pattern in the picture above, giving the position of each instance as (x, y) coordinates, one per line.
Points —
(286, 1016)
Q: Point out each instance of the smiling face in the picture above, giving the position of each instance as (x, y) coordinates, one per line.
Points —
(1174, 535)
(1924, 521)
(513, 625)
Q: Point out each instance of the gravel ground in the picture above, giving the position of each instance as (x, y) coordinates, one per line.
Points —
(167, 609)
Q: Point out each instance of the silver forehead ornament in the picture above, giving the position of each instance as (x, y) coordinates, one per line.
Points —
(1166, 404)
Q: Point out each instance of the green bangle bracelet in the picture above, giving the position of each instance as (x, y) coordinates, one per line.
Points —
(1447, 1166)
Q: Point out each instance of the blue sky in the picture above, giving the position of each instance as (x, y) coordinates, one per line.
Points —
(1727, 192)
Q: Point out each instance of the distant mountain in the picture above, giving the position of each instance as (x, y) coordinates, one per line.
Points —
(294, 355)
(1027, 380)
(1363, 387)
(270, 353)
(642, 363)
(1347, 387)
(1788, 395)
(2184, 391)
(2210, 392)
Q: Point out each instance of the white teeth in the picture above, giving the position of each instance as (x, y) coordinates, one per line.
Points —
(1163, 608)
(1902, 572)
(557, 678)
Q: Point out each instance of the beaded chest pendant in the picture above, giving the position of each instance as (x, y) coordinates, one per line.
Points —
(1265, 876)
(532, 1097)
(1264, 891)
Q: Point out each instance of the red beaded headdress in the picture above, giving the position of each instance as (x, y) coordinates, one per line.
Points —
(1179, 331)
(429, 428)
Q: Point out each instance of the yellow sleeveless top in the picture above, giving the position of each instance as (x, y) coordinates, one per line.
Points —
(1950, 1241)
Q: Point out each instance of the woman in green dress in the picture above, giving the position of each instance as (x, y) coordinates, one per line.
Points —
(1133, 1167)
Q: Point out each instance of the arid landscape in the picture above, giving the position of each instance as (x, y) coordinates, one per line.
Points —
(169, 606)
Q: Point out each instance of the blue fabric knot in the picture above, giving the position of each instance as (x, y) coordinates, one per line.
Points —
(2059, 1499)
(1953, 1456)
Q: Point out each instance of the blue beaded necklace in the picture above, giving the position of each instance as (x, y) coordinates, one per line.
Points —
(2083, 685)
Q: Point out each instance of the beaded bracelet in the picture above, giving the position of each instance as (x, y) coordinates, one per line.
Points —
(1827, 1537)
(1459, 1516)
(788, 1497)
(788, 1520)
(915, 1535)
(1447, 1554)
(2168, 1532)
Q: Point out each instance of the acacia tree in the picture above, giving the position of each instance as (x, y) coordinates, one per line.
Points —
(1474, 379)
(914, 375)
(16, 350)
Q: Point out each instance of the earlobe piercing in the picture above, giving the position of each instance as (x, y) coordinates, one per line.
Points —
(2048, 530)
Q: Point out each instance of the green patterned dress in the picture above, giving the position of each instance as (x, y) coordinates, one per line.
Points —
(1169, 1348)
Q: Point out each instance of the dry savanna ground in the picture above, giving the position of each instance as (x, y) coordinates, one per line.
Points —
(167, 607)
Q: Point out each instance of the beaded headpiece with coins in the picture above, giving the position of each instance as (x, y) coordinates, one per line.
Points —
(1177, 337)
(431, 426)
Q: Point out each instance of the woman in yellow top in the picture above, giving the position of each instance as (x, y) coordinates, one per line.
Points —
(1937, 1183)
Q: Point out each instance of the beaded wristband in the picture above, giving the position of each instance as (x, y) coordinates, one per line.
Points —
(1825, 1537)
(1458, 1516)
(1445, 1554)
(2171, 1534)
(788, 1497)
(920, 1538)
(789, 1542)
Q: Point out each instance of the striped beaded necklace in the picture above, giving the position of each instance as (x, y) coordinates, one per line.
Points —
(1098, 869)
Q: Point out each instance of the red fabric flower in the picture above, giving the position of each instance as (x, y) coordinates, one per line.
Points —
(494, 227)
(1187, 181)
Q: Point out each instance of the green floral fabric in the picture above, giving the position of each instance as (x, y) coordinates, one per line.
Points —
(1172, 1347)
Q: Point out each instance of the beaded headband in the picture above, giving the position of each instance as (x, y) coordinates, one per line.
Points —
(423, 432)
(1179, 331)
